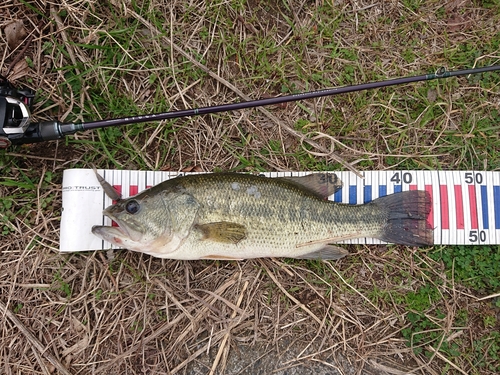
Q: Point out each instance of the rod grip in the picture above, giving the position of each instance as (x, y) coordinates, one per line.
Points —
(45, 131)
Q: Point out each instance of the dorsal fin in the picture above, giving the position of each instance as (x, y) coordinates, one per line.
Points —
(321, 184)
(109, 190)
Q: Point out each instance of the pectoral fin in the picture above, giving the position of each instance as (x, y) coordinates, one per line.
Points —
(322, 184)
(326, 252)
(222, 231)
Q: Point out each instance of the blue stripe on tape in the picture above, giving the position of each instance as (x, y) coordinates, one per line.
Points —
(368, 193)
(337, 197)
(496, 201)
(484, 204)
(352, 194)
(382, 190)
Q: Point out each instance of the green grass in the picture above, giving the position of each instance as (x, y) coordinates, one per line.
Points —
(17, 204)
(475, 266)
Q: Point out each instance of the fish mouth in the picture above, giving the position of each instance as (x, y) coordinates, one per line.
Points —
(115, 233)
(110, 234)
(116, 223)
(120, 226)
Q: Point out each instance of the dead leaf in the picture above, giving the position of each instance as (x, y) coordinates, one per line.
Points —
(457, 23)
(457, 16)
(77, 325)
(78, 347)
(15, 33)
(193, 168)
(19, 71)
(91, 38)
(431, 95)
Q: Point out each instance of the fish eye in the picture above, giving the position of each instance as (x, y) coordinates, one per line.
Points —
(132, 207)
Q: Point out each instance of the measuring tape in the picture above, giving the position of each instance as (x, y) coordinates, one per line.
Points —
(465, 204)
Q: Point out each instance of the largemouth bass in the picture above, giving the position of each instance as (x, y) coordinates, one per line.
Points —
(240, 216)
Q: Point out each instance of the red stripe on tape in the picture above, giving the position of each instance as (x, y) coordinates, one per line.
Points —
(473, 207)
(430, 218)
(459, 206)
(445, 218)
(134, 189)
(118, 188)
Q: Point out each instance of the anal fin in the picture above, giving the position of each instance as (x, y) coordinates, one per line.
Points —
(327, 252)
(220, 257)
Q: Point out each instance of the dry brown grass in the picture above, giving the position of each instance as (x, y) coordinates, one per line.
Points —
(126, 313)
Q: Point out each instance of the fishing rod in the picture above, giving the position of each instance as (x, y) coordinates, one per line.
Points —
(15, 108)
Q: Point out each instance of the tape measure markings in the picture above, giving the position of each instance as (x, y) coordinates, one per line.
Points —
(464, 201)
(487, 200)
(496, 204)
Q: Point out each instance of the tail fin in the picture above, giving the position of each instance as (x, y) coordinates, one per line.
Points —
(407, 218)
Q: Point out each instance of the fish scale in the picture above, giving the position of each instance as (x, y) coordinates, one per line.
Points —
(257, 212)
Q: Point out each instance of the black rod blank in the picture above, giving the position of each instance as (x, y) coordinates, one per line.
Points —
(441, 73)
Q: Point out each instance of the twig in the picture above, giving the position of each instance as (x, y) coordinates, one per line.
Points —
(142, 342)
(161, 330)
(295, 300)
(446, 360)
(350, 286)
(71, 53)
(387, 369)
(33, 340)
(226, 336)
(488, 297)
(64, 36)
(33, 156)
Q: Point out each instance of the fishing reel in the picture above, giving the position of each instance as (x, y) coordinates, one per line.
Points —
(15, 112)
(16, 126)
